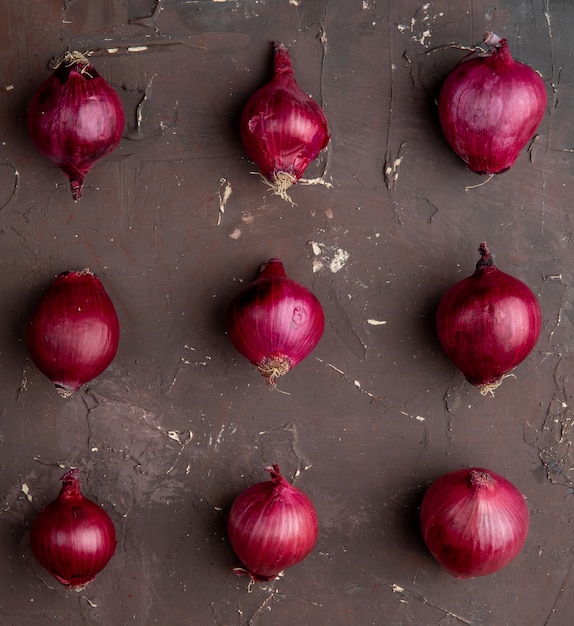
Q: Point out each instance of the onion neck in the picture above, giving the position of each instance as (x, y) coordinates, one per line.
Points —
(273, 269)
(497, 47)
(71, 485)
(481, 479)
(486, 257)
(281, 59)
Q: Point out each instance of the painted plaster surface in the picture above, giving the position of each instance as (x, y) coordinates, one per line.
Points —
(174, 222)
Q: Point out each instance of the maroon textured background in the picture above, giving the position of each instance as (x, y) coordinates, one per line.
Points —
(180, 423)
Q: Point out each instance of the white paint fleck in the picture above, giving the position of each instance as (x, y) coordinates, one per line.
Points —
(316, 248)
(339, 260)
(26, 491)
(357, 384)
(137, 48)
(397, 588)
(373, 322)
(172, 434)
(235, 233)
(317, 266)
(224, 192)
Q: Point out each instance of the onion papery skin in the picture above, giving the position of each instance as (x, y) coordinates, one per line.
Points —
(75, 118)
(275, 322)
(73, 537)
(490, 107)
(474, 522)
(272, 525)
(73, 335)
(282, 128)
(488, 323)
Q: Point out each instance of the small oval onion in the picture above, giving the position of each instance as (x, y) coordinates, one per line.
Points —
(74, 333)
(490, 107)
(275, 322)
(75, 118)
(272, 525)
(282, 128)
(488, 323)
(73, 537)
(474, 522)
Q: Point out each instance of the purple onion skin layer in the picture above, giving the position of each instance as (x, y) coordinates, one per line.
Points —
(75, 118)
(282, 128)
(72, 537)
(490, 107)
(272, 525)
(474, 522)
(488, 323)
(275, 322)
(73, 335)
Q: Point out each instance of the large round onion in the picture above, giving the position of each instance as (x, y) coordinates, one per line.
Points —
(272, 525)
(490, 106)
(282, 128)
(275, 322)
(474, 522)
(74, 333)
(488, 323)
(73, 537)
(75, 118)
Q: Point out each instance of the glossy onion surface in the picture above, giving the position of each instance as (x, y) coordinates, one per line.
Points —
(272, 525)
(275, 322)
(73, 537)
(474, 522)
(74, 333)
(282, 128)
(75, 118)
(488, 323)
(490, 107)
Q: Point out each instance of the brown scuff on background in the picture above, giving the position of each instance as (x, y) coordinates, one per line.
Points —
(174, 223)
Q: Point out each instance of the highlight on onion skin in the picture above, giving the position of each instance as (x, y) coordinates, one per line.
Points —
(490, 107)
(75, 118)
(282, 128)
(474, 522)
(73, 335)
(275, 322)
(272, 525)
(488, 323)
(73, 537)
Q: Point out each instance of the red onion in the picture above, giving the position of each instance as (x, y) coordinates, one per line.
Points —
(474, 522)
(272, 525)
(488, 323)
(73, 537)
(282, 128)
(74, 333)
(275, 322)
(490, 106)
(75, 118)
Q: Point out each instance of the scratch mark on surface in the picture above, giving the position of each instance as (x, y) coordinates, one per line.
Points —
(391, 169)
(149, 21)
(224, 192)
(346, 378)
(137, 133)
(16, 187)
(560, 593)
(172, 434)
